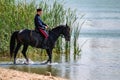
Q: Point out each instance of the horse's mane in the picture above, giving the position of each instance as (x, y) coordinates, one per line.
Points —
(58, 27)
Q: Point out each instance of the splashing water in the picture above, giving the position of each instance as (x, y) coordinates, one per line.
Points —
(23, 61)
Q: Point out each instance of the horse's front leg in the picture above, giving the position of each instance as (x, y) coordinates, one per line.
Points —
(49, 53)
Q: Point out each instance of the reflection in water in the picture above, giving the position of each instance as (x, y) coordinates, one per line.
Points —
(39, 69)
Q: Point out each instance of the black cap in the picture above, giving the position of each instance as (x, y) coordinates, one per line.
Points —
(39, 9)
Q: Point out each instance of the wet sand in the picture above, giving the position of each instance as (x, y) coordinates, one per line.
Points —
(8, 74)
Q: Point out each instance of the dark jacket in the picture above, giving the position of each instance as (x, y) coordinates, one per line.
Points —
(39, 24)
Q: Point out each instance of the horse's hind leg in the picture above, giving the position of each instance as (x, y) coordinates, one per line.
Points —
(24, 52)
(16, 51)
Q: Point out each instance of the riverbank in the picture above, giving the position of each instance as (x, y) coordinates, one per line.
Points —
(8, 74)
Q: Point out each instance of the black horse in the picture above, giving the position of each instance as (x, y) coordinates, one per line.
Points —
(30, 37)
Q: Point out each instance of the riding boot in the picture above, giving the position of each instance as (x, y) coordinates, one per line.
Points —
(45, 44)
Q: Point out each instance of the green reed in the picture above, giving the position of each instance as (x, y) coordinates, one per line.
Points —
(20, 15)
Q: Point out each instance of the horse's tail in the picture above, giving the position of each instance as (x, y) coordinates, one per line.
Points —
(12, 43)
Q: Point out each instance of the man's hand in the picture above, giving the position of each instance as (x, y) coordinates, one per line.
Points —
(46, 26)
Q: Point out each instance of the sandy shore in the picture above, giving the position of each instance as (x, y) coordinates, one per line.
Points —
(8, 74)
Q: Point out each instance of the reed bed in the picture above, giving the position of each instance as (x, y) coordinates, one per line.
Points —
(17, 15)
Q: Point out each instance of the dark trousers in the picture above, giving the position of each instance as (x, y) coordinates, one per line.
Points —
(44, 33)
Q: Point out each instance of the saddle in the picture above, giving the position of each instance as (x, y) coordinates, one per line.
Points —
(37, 38)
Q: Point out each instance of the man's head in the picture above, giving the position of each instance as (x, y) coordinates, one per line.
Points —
(39, 11)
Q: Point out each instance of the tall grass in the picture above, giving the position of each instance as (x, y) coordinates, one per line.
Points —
(17, 15)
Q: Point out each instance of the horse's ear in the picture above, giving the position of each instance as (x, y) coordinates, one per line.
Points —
(66, 25)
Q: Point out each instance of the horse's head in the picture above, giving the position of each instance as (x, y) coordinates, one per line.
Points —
(66, 32)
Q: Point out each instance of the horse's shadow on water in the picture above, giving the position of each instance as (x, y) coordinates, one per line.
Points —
(17, 64)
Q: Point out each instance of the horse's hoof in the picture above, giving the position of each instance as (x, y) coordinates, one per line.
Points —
(50, 62)
(14, 63)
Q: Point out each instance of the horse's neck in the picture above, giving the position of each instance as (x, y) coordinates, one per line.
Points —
(55, 34)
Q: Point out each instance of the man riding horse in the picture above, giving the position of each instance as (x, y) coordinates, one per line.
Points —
(40, 27)
(31, 38)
